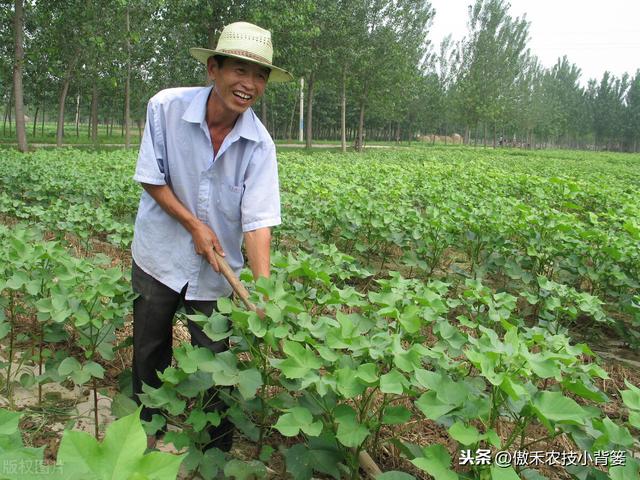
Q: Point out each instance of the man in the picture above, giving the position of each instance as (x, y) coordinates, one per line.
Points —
(209, 173)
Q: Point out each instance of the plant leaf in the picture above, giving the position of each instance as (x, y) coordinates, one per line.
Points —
(395, 475)
(9, 421)
(245, 470)
(396, 415)
(392, 382)
(436, 462)
(555, 407)
(465, 434)
(502, 473)
(249, 381)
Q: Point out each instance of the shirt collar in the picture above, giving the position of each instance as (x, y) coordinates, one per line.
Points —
(196, 112)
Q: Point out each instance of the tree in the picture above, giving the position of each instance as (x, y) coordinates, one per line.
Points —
(563, 101)
(608, 109)
(310, 50)
(127, 87)
(633, 113)
(528, 111)
(368, 66)
(392, 40)
(6, 58)
(492, 58)
(349, 13)
(60, 37)
(18, 30)
(445, 65)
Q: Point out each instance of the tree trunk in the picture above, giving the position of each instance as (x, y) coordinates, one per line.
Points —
(78, 115)
(127, 90)
(289, 127)
(35, 120)
(10, 110)
(309, 129)
(94, 115)
(360, 142)
(494, 135)
(7, 109)
(263, 112)
(466, 135)
(343, 111)
(42, 122)
(61, 101)
(18, 29)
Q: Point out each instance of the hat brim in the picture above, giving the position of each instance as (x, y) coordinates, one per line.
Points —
(277, 75)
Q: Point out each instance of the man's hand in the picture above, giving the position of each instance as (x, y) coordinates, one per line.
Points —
(205, 242)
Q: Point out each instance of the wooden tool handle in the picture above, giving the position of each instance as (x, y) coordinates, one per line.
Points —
(235, 283)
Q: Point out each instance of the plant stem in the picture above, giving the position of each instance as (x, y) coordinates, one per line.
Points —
(263, 391)
(95, 406)
(384, 259)
(519, 428)
(548, 437)
(355, 463)
(374, 446)
(40, 364)
(11, 339)
(365, 404)
(494, 408)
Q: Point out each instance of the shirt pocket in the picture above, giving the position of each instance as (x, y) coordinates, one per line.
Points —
(230, 198)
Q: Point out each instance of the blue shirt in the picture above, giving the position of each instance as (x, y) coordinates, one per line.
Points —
(235, 192)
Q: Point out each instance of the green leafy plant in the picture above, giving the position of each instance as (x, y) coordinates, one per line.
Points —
(17, 460)
(120, 455)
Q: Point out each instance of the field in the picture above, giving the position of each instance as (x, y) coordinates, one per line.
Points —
(427, 304)
(45, 133)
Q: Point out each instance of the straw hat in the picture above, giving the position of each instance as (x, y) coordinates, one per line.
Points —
(247, 42)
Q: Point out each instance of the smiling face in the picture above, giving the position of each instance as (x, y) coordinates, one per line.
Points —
(238, 84)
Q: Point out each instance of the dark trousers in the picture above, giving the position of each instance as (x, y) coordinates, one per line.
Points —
(153, 312)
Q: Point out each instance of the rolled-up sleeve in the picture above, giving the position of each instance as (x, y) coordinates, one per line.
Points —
(261, 198)
(150, 166)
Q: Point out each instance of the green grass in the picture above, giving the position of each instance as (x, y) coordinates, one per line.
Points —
(48, 134)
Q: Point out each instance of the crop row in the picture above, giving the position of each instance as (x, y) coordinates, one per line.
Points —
(336, 368)
(507, 218)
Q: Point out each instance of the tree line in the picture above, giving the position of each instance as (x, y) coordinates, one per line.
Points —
(370, 70)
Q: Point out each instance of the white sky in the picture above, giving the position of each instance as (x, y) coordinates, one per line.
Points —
(596, 35)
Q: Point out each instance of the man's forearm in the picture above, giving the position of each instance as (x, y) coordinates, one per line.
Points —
(258, 245)
(205, 240)
(164, 196)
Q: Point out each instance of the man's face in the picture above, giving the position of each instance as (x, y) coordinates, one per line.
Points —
(238, 84)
